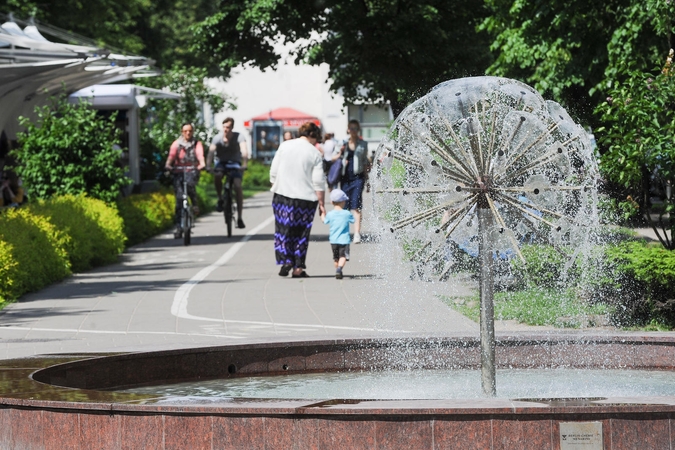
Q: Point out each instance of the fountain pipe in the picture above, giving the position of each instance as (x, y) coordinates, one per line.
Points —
(487, 317)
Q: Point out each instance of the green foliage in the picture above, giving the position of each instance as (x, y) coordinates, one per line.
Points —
(376, 50)
(206, 193)
(256, 177)
(535, 306)
(640, 153)
(162, 119)
(94, 230)
(158, 29)
(573, 49)
(543, 267)
(146, 215)
(37, 253)
(635, 279)
(69, 150)
(8, 272)
(653, 266)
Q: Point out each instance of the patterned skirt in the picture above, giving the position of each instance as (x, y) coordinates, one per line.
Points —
(292, 224)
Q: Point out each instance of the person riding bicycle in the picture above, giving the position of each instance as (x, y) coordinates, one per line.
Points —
(185, 151)
(229, 146)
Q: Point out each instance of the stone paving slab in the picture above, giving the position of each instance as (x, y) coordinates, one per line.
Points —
(219, 290)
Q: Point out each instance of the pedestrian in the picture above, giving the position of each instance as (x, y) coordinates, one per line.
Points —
(186, 152)
(298, 186)
(354, 153)
(329, 150)
(288, 135)
(339, 219)
(229, 147)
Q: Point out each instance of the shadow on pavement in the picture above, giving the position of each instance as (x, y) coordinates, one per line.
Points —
(17, 316)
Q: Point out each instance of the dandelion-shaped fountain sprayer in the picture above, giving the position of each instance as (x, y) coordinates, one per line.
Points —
(484, 162)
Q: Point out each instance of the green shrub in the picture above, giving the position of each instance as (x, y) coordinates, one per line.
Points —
(69, 149)
(543, 268)
(206, 193)
(645, 277)
(256, 177)
(37, 253)
(146, 215)
(95, 229)
(8, 269)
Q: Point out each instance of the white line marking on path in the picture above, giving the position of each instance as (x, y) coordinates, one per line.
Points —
(77, 331)
(180, 299)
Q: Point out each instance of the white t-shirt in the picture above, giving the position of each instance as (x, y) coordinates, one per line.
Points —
(329, 149)
(297, 170)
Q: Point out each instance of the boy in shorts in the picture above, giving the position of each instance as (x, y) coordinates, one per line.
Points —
(339, 219)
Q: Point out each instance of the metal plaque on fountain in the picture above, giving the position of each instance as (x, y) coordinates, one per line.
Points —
(581, 436)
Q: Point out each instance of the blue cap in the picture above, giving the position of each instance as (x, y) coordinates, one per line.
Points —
(338, 195)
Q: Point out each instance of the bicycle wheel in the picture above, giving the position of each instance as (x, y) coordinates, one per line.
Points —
(227, 210)
(187, 230)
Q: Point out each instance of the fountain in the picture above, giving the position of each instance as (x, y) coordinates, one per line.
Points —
(481, 162)
(484, 161)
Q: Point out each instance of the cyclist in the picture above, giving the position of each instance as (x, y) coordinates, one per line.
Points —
(185, 151)
(229, 146)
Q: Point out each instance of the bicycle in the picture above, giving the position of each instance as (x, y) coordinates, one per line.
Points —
(229, 204)
(187, 218)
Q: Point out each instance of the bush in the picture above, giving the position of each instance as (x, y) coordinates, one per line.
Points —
(206, 193)
(37, 253)
(8, 269)
(146, 215)
(543, 268)
(646, 273)
(256, 177)
(69, 150)
(95, 230)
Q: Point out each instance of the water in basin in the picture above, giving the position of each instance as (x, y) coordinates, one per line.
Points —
(429, 384)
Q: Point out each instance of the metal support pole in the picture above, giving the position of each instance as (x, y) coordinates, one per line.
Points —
(487, 318)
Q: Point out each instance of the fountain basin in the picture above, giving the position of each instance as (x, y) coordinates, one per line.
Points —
(61, 401)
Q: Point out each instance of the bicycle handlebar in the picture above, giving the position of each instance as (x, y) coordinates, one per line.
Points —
(181, 169)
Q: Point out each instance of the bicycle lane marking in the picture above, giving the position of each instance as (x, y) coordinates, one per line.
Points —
(180, 299)
(182, 296)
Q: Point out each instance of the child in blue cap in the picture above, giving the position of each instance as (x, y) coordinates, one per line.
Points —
(339, 219)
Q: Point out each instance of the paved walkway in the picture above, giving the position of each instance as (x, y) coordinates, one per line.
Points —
(163, 295)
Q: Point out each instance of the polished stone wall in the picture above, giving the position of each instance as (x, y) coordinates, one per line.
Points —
(60, 402)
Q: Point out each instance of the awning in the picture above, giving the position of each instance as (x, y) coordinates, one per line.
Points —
(290, 117)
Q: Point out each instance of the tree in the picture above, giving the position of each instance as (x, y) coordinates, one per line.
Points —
(70, 149)
(573, 50)
(161, 119)
(639, 118)
(377, 50)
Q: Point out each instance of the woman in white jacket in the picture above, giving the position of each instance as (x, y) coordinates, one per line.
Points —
(298, 184)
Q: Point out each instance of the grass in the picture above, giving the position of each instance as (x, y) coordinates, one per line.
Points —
(533, 307)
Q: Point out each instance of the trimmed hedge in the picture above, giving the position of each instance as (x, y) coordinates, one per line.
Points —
(42, 243)
(146, 215)
(37, 253)
(95, 230)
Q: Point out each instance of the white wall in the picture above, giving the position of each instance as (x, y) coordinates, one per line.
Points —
(303, 88)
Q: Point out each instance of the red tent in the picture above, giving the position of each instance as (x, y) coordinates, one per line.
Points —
(290, 117)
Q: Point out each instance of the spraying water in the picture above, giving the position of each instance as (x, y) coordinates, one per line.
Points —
(483, 163)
